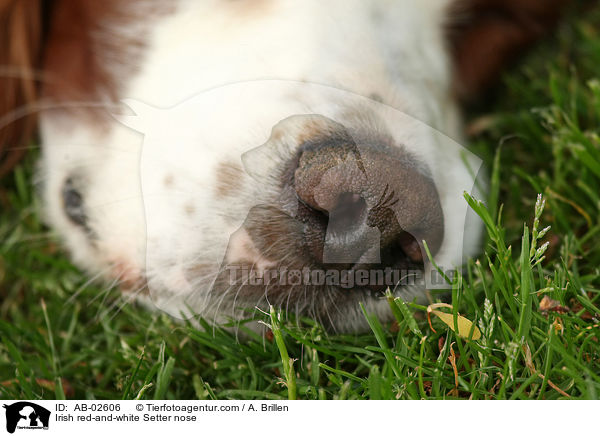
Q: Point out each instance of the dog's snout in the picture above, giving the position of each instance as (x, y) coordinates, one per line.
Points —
(365, 205)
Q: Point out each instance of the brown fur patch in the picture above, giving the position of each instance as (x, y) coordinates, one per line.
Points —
(229, 178)
(277, 135)
(189, 209)
(65, 52)
(168, 181)
(245, 8)
(487, 35)
(21, 32)
(88, 56)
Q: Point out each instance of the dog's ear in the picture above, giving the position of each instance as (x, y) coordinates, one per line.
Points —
(487, 35)
(21, 43)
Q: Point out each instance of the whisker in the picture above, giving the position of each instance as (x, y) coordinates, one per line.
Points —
(118, 308)
(72, 298)
(104, 294)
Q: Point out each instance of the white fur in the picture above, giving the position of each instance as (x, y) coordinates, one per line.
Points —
(350, 49)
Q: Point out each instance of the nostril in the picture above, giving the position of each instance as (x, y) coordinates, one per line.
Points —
(410, 247)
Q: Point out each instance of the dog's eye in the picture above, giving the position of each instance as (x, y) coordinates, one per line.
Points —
(73, 204)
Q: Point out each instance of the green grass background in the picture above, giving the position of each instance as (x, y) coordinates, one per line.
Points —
(539, 135)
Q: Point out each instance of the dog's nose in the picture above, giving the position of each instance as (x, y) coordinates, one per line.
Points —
(365, 205)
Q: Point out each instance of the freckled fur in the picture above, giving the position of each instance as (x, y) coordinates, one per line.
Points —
(228, 179)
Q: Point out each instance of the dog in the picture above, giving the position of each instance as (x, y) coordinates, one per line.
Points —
(216, 156)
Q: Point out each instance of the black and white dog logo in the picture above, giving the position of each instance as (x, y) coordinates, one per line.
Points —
(26, 415)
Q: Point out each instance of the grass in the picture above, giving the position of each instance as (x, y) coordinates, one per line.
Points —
(539, 136)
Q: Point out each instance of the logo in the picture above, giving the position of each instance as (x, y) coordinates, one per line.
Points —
(26, 416)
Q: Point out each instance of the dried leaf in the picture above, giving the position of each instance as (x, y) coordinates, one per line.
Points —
(464, 325)
(549, 305)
